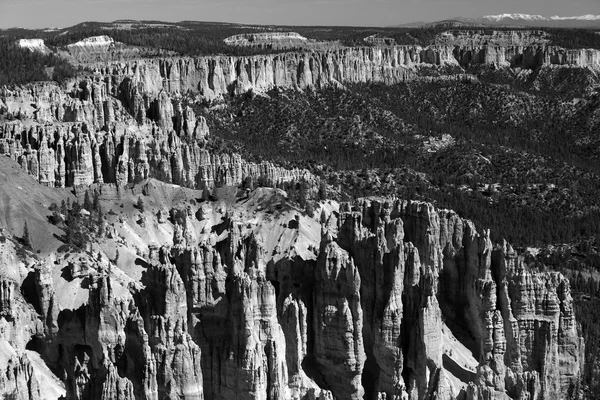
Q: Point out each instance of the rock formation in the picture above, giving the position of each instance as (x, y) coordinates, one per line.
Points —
(77, 154)
(248, 299)
(33, 45)
(271, 40)
(126, 122)
(384, 299)
(502, 38)
(218, 75)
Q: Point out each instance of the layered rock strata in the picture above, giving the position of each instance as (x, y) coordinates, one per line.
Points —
(217, 75)
(465, 38)
(386, 299)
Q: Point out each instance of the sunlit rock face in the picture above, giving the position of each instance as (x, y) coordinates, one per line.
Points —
(270, 40)
(215, 76)
(33, 45)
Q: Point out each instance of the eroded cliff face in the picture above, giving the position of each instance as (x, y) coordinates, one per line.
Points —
(127, 123)
(530, 57)
(488, 37)
(215, 76)
(278, 41)
(382, 299)
(85, 136)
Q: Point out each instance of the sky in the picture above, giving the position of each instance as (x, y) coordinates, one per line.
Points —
(64, 13)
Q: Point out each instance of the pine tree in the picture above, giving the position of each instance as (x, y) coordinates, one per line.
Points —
(99, 220)
(323, 191)
(87, 203)
(140, 204)
(302, 193)
(76, 209)
(96, 201)
(248, 183)
(323, 218)
(26, 237)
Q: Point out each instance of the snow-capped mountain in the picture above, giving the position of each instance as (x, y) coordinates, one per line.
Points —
(588, 20)
(525, 17)
(527, 20)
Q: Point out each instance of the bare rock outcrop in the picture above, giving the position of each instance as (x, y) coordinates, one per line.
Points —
(338, 321)
(388, 299)
(269, 40)
(496, 299)
(218, 75)
(76, 154)
(391, 300)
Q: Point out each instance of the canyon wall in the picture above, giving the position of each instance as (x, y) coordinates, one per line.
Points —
(396, 300)
(379, 299)
(75, 155)
(214, 76)
(85, 136)
(121, 125)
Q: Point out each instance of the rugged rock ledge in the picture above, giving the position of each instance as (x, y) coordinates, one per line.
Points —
(275, 40)
(218, 75)
(470, 38)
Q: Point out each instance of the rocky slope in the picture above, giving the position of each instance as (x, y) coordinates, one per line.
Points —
(34, 45)
(502, 38)
(382, 299)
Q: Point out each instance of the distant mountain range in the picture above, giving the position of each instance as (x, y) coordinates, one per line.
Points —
(521, 20)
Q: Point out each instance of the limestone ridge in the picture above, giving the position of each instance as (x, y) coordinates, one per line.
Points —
(385, 299)
(491, 38)
(214, 76)
(272, 40)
